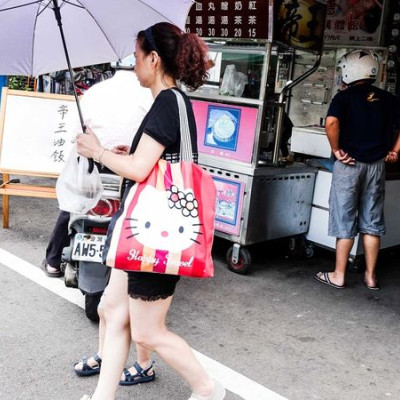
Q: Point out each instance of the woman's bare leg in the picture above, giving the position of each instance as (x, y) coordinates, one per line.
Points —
(102, 330)
(148, 329)
(117, 336)
(102, 326)
(143, 355)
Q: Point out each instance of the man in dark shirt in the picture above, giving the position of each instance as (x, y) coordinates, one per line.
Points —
(359, 127)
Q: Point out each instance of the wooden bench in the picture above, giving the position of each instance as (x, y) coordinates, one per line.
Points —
(12, 188)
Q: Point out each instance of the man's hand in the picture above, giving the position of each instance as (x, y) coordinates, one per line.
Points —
(344, 157)
(392, 157)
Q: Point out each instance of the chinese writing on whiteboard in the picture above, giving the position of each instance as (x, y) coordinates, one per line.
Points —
(60, 131)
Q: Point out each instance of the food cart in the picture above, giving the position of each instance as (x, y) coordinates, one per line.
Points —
(258, 197)
(309, 105)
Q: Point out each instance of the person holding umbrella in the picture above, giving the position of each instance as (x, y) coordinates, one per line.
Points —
(164, 55)
(115, 108)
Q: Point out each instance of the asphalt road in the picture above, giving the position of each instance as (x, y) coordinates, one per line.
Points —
(276, 326)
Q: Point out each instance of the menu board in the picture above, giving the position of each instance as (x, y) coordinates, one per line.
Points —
(241, 19)
(352, 22)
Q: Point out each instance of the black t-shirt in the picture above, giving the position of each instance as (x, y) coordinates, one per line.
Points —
(367, 116)
(163, 125)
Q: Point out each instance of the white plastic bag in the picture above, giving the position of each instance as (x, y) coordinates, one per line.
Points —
(233, 82)
(77, 190)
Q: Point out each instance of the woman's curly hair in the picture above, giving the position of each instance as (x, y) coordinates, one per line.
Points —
(184, 55)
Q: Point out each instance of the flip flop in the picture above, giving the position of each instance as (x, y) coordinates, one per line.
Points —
(326, 281)
(375, 287)
(56, 274)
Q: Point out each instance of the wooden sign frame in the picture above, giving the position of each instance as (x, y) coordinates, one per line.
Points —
(40, 126)
(11, 188)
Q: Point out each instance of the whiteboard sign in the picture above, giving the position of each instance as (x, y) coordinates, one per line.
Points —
(35, 132)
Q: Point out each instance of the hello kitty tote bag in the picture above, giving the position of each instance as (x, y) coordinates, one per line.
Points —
(166, 223)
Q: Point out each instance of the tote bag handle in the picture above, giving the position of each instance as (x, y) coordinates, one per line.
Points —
(186, 153)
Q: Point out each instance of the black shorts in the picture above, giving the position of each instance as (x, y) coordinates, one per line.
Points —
(149, 286)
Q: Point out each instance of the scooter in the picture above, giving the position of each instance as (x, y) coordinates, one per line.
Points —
(82, 259)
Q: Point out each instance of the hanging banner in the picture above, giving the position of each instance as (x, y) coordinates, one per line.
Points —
(241, 19)
(300, 23)
(354, 22)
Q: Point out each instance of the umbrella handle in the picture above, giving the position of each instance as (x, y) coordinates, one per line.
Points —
(91, 162)
(91, 165)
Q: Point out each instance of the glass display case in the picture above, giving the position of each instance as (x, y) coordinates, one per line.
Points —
(229, 109)
(242, 69)
(235, 109)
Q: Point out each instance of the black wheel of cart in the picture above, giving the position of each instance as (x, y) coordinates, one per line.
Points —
(356, 264)
(299, 247)
(91, 303)
(309, 250)
(243, 263)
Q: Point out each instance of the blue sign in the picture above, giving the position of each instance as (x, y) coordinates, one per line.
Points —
(3, 82)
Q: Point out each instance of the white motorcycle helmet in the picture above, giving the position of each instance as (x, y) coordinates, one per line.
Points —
(126, 63)
(358, 65)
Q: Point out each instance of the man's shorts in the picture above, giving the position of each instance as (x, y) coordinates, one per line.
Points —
(356, 199)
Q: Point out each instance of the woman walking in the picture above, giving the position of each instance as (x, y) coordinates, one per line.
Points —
(164, 56)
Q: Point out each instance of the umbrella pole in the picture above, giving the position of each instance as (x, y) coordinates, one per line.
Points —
(57, 14)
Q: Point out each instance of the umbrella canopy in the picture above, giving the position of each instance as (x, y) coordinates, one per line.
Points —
(96, 31)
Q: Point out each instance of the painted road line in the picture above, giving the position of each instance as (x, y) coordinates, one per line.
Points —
(232, 380)
(36, 275)
(236, 382)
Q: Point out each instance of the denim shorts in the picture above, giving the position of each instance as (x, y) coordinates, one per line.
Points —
(356, 199)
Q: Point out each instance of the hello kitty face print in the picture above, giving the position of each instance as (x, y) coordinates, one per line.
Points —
(165, 220)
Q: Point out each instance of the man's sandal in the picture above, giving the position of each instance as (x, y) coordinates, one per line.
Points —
(141, 376)
(88, 370)
(55, 273)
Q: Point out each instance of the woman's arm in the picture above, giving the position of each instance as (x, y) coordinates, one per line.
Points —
(135, 167)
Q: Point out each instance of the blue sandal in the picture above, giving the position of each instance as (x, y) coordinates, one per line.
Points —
(141, 376)
(87, 370)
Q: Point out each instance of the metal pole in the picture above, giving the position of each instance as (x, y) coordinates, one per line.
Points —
(57, 14)
(281, 105)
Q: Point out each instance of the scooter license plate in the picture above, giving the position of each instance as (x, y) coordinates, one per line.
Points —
(88, 247)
